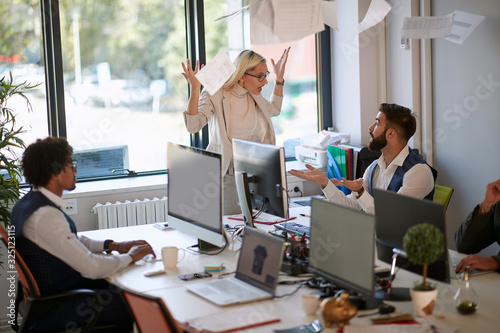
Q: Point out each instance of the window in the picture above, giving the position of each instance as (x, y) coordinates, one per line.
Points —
(120, 65)
(123, 85)
(21, 54)
(299, 114)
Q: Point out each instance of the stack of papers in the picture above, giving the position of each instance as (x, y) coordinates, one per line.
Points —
(232, 320)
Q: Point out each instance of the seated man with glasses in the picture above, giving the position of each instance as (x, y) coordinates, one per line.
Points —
(47, 240)
(237, 111)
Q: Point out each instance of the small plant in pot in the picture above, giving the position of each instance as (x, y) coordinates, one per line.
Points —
(423, 244)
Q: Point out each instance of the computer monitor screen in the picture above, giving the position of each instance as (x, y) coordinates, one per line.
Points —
(395, 213)
(260, 176)
(195, 193)
(342, 246)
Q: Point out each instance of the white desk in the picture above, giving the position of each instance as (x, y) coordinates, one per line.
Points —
(185, 305)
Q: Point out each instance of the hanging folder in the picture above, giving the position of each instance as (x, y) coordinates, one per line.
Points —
(336, 165)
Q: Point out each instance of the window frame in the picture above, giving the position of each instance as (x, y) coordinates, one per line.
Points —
(195, 49)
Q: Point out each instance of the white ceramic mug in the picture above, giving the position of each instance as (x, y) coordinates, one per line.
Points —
(310, 303)
(170, 256)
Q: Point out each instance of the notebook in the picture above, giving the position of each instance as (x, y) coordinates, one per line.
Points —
(256, 275)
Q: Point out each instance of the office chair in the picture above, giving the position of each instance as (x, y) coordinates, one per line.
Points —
(32, 305)
(150, 313)
(442, 195)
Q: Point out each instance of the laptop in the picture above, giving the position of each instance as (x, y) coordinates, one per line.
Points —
(256, 275)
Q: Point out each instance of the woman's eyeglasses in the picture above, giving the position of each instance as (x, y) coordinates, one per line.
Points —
(259, 77)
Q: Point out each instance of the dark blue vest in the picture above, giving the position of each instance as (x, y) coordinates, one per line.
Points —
(397, 180)
(51, 274)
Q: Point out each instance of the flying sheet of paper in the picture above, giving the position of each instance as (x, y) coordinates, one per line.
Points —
(377, 11)
(261, 23)
(427, 27)
(330, 14)
(463, 25)
(233, 13)
(216, 73)
(295, 19)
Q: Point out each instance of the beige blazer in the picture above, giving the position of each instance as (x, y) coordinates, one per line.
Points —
(216, 111)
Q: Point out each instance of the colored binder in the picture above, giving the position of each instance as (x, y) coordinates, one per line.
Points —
(336, 164)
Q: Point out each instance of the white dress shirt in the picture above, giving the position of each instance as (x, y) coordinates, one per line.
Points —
(418, 181)
(48, 228)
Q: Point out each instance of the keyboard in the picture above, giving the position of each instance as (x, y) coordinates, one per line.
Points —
(293, 227)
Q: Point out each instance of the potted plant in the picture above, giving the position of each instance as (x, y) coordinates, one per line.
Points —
(10, 168)
(423, 244)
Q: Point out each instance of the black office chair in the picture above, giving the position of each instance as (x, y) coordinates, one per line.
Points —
(31, 305)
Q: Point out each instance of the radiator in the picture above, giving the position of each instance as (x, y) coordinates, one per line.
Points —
(128, 213)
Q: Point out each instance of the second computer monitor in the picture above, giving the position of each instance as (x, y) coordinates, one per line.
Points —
(342, 246)
(395, 213)
(260, 177)
(195, 194)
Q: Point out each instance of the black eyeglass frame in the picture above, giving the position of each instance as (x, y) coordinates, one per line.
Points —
(260, 77)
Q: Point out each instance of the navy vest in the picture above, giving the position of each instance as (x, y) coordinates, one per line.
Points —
(51, 274)
(397, 180)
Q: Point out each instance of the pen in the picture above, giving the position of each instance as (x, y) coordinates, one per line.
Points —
(305, 215)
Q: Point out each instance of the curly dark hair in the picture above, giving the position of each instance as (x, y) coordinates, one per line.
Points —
(44, 158)
(400, 118)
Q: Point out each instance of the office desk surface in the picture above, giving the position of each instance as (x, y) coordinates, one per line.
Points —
(185, 305)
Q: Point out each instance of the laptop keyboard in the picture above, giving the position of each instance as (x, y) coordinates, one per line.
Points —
(229, 286)
(293, 227)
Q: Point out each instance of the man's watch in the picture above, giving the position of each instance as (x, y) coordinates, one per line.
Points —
(360, 192)
(106, 245)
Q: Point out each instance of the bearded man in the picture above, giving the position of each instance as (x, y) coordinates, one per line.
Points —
(398, 169)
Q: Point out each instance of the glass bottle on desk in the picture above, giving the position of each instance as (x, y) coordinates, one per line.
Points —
(466, 299)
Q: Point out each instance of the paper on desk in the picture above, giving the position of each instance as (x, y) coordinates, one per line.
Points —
(426, 324)
(216, 73)
(427, 27)
(463, 25)
(376, 13)
(233, 319)
(263, 218)
(385, 328)
(323, 139)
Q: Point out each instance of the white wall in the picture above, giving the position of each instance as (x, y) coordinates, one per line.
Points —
(354, 71)
(466, 110)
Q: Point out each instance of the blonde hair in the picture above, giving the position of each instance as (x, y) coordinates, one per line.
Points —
(246, 61)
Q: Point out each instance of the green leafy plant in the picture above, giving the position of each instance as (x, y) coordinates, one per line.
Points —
(423, 244)
(10, 168)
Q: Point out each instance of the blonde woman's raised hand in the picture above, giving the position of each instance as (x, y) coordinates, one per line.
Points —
(279, 66)
(190, 74)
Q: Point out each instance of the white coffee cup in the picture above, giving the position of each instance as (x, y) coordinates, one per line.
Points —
(170, 256)
(310, 303)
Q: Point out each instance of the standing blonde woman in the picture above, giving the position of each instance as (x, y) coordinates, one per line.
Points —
(236, 111)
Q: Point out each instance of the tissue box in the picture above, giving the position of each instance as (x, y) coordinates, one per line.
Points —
(311, 155)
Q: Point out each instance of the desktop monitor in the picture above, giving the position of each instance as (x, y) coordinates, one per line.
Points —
(195, 194)
(395, 213)
(260, 177)
(342, 246)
